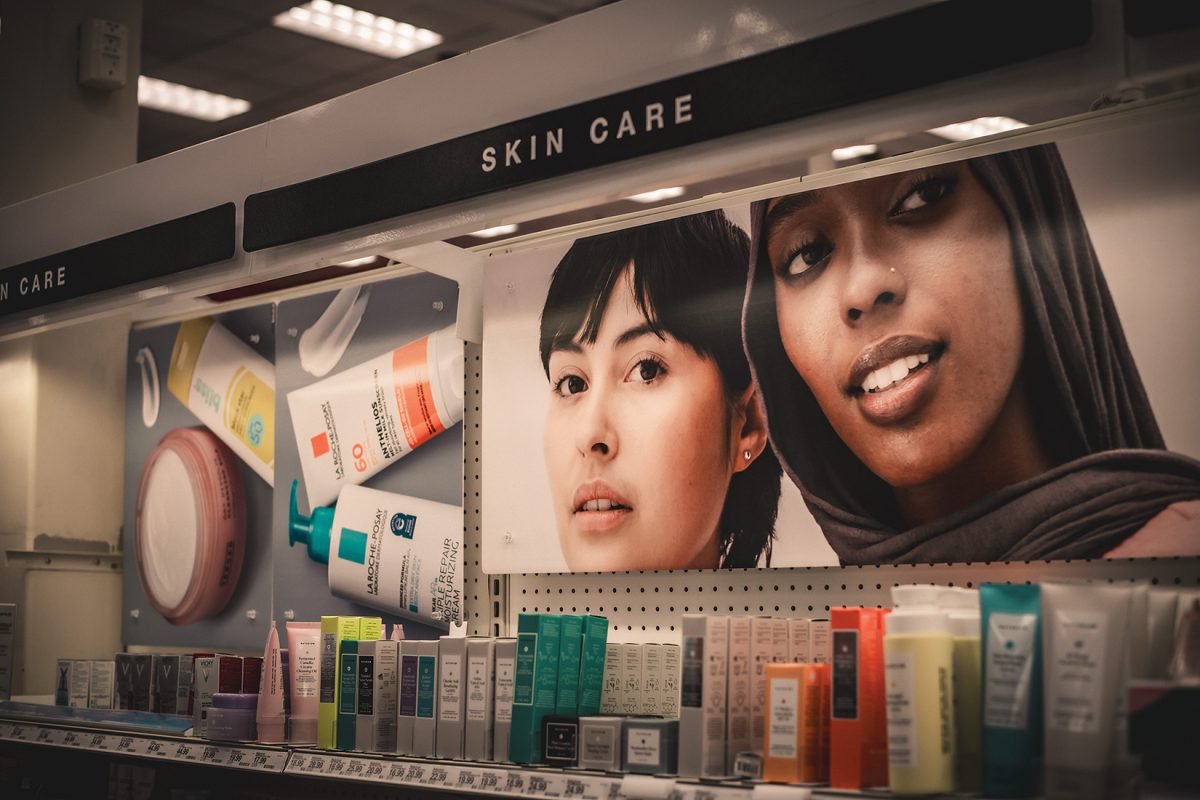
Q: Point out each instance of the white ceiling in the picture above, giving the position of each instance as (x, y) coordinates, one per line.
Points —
(231, 47)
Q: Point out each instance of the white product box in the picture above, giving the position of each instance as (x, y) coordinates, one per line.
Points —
(703, 685)
(100, 693)
(670, 682)
(631, 678)
(378, 693)
(506, 670)
(424, 736)
(610, 694)
(80, 684)
(481, 689)
(8, 643)
(779, 640)
(799, 650)
(452, 665)
(762, 647)
(821, 642)
(652, 675)
(739, 702)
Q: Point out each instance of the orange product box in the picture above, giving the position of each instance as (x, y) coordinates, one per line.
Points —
(792, 750)
(815, 766)
(857, 714)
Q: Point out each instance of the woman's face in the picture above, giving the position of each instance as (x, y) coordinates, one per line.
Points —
(898, 306)
(639, 447)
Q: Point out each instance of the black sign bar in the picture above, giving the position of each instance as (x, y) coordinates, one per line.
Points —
(918, 48)
(157, 251)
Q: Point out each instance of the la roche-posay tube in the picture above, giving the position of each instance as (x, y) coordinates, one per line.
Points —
(389, 551)
(352, 424)
(230, 388)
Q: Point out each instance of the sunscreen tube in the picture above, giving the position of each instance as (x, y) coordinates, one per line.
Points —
(230, 388)
(304, 657)
(389, 551)
(269, 716)
(1083, 636)
(1012, 688)
(351, 425)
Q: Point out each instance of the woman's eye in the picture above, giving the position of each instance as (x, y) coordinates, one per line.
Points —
(923, 193)
(647, 370)
(568, 385)
(807, 256)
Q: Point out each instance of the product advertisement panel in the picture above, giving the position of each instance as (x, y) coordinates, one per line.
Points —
(298, 460)
(979, 360)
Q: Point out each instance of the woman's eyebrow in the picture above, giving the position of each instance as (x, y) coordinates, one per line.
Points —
(786, 207)
(636, 332)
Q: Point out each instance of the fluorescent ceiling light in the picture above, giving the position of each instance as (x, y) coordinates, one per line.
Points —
(657, 194)
(358, 262)
(973, 129)
(491, 233)
(361, 30)
(196, 103)
(854, 151)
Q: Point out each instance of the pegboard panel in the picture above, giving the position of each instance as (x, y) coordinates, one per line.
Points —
(647, 606)
(481, 596)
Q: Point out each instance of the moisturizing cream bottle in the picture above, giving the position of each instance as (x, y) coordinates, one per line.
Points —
(918, 657)
(389, 551)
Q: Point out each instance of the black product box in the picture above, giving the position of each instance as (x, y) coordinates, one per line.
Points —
(560, 741)
(135, 681)
(1162, 720)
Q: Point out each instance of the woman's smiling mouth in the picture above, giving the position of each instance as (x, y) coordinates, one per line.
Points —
(892, 380)
(599, 507)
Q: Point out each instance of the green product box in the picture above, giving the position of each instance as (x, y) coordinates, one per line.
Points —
(333, 631)
(369, 629)
(347, 707)
(535, 684)
(591, 664)
(570, 643)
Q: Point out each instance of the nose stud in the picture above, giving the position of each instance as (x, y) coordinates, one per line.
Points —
(892, 269)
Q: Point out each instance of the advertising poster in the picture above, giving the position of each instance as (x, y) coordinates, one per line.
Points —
(975, 360)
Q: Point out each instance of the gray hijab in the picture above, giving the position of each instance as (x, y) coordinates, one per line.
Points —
(1114, 473)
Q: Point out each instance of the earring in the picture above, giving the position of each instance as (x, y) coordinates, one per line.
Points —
(748, 455)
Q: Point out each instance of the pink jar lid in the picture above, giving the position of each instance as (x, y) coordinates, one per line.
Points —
(190, 526)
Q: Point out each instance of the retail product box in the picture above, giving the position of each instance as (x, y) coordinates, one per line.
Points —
(375, 718)
(212, 674)
(570, 645)
(74, 677)
(535, 685)
(792, 753)
(425, 721)
(762, 643)
(1160, 713)
(739, 709)
(650, 746)
(652, 674)
(251, 674)
(364, 711)
(452, 663)
(406, 704)
(703, 686)
(481, 693)
(600, 743)
(334, 630)
(135, 681)
(506, 671)
(173, 683)
(858, 725)
(591, 664)
(670, 682)
(799, 634)
(631, 678)
(370, 629)
(560, 740)
(347, 694)
(779, 640)
(819, 642)
(8, 643)
(610, 692)
(103, 685)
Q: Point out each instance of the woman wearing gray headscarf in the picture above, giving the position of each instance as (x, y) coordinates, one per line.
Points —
(945, 377)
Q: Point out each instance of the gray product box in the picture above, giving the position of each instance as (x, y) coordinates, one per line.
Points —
(100, 692)
(123, 682)
(425, 722)
(506, 671)
(610, 694)
(406, 702)
(364, 718)
(183, 698)
(62, 681)
(141, 691)
(387, 687)
(481, 691)
(166, 684)
(600, 743)
(8, 643)
(649, 746)
(451, 717)
(703, 684)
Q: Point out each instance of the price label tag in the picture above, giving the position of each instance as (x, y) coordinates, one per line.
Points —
(375, 770)
(125, 744)
(415, 774)
(536, 785)
(574, 788)
(355, 769)
(260, 761)
(100, 742)
(57, 736)
(297, 763)
(395, 773)
(466, 779)
(490, 781)
(514, 782)
(236, 757)
(316, 764)
(18, 733)
(212, 755)
(71, 739)
(186, 752)
(437, 777)
(43, 735)
(337, 766)
(5, 730)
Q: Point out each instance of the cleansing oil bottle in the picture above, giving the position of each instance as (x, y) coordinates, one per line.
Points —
(918, 658)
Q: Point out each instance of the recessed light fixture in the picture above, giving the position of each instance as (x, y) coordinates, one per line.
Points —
(196, 103)
(854, 151)
(657, 195)
(492, 233)
(973, 129)
(361, 30)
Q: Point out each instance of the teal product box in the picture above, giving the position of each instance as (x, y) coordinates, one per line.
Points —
(1010, 630)
(570, 644)
(591, 664)
(535, 686)
(650, 746)
(347, 708)
(425, 721)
